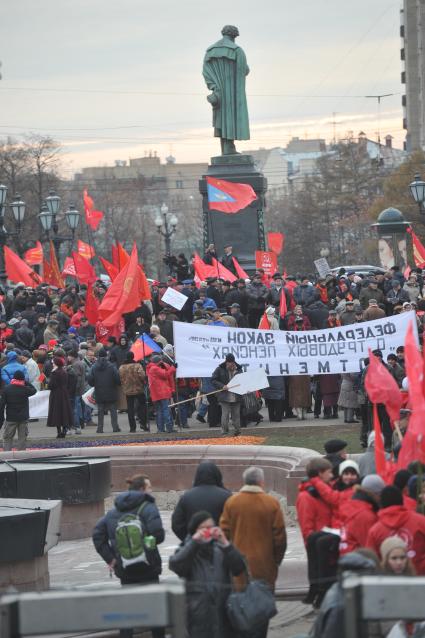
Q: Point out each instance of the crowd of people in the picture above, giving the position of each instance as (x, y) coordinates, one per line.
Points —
(46, 335)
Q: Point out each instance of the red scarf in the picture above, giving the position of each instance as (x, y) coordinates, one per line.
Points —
(17, 382)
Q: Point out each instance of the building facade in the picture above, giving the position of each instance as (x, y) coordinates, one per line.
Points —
(412, 32)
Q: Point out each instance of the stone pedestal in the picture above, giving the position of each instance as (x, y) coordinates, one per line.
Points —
(78, 520)
(243, 230)
(25, 575)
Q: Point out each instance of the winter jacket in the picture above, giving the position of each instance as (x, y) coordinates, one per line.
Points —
(15, 400)
(257, 295)
(166, 330)
(118, 354)
(412, 290)
(104, 534)
(207, 493)
(318, 315)
(367, 294)
(160, 380)
(276, 389)
(275, 294)
(207, 569)
(312, 511)
(396, 520)
(253, 521)
(33, 373)
(221, 377)
(227, 261)
(358, 515)
(398, 297)
(11, 367)
(79, 369)
(132, 378)
(366, 461)
(333, 497)
(24, 336)
(330, 619)
(373, 312)
(305, 295)
(105, 378)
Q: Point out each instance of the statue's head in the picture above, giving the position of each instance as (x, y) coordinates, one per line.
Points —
(230, 30)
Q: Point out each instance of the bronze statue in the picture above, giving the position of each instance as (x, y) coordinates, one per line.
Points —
(224, 71)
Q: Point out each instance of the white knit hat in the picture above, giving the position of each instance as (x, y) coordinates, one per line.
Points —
(348, 464)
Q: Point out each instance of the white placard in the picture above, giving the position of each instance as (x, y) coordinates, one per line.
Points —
(39, 405)
(199, 349)
(322, 266)
(255, 379)
(174, 298)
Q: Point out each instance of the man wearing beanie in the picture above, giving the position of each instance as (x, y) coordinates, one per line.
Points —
(15, 400)
(395, 520)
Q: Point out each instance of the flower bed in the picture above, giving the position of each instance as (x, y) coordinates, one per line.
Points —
(70, 443)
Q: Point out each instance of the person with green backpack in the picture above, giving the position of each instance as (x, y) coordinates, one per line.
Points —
(128, 535)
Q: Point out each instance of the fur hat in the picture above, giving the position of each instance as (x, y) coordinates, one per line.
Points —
(390, 543)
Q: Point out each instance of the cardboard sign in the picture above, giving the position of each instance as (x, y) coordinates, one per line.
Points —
(322, 266)
(174, 298)
(267, 261)
(250, 381)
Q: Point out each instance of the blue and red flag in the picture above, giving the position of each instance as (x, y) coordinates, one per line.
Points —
(228, 197)
(143, 347)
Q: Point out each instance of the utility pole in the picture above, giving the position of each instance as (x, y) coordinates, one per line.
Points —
(379, 98)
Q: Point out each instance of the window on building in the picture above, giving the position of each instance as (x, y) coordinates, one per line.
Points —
(179, 183)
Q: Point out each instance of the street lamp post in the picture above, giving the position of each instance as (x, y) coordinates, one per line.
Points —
(417, 190)
(18, 210)
(49, 222)
(166, 227)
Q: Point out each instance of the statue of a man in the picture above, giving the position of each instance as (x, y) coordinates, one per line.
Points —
(224, 71)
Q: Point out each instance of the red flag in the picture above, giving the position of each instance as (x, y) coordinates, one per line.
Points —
(418, 250)
(34, 256)
(84, 271)
(69, 267)
(144, 289)
(85, 250)
(276, 242)
(55, 276)
(241, 273)
(380, 461)
(110, 269)
(92, 306)
(202, 270)
(283, 308)
(93, 217)
(221, 271)
(17, 270)
(47, 272)
(264, 322)
(381, 387)
(228, 197)
(413, 446)
(115, 260)
(123, 294)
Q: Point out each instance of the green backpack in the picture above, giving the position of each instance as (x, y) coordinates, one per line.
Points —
(131, 541)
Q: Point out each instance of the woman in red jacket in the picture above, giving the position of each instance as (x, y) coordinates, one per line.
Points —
(340, 491)
(360, 513)
(160, 386)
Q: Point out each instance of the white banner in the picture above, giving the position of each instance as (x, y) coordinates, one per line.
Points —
(199, 349)
(39, 405)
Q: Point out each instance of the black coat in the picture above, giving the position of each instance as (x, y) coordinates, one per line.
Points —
(207, 493)
(207, 569)
(15, 400)
(227, 262)
(105, 378)
(166, 329)
(60, 413)
(221, 377)
(118, 354)
(104, 535)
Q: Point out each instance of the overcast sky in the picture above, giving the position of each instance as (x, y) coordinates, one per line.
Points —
(113, 80)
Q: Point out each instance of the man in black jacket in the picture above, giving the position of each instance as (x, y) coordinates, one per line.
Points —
(105, 378)
(138, 494)
(230, 402)
(208, 492)
(15, 400)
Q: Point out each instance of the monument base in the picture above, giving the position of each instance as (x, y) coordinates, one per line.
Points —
(78, 521)
(244, 230)
(25, 575)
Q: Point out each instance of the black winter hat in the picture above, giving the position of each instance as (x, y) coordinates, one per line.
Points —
(19, 375)
(230, 358)
(102, 353)
(391, 495)
(335, 445)
(196, 520)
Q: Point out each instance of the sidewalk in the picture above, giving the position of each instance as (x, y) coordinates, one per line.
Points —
(39, 431)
